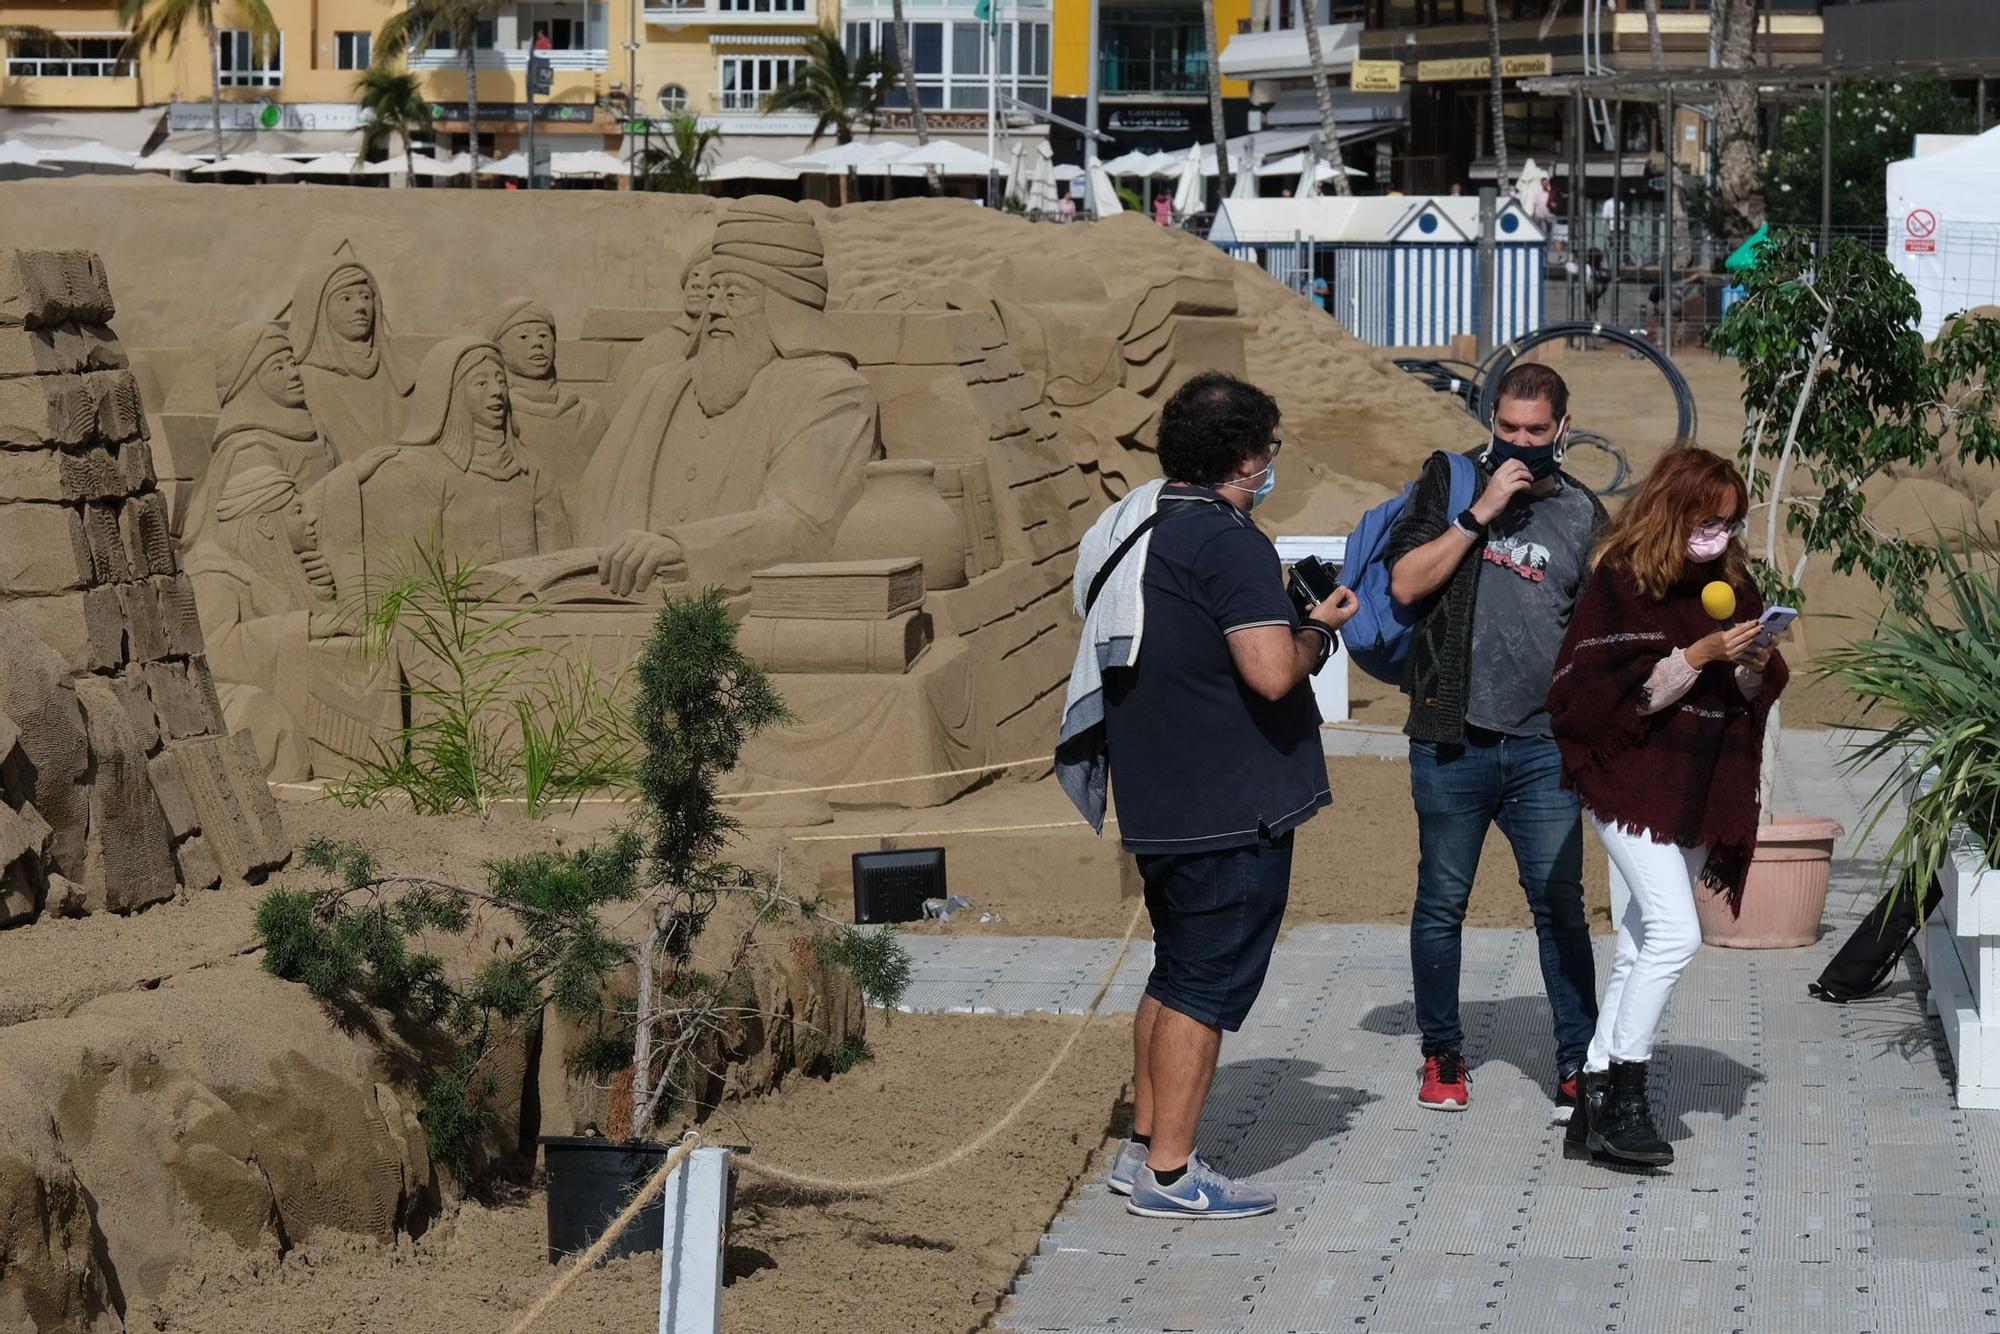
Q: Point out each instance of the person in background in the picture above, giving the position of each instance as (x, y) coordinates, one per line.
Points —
(1189, 695)
(1163, 209)
(1066, 209)
(1319, 293)
(1660, 718)
(1493, 586)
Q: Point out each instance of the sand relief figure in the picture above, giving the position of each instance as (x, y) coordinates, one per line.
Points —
(751, 452)
(559, 427)
(264, 590)
(459, 469)
(264, 421)
(356, 382)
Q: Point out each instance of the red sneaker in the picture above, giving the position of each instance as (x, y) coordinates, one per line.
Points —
(1446, 1087)
(1565, 1101)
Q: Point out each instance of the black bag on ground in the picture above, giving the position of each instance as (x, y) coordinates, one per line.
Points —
(1868, 959)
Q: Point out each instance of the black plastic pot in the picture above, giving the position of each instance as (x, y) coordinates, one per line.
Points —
(590, 1179)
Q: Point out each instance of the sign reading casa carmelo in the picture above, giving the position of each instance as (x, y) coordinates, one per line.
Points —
(1480, 67)
(1377, 76)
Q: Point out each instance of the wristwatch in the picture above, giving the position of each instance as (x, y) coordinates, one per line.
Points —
(1468, 523)
(1328, 643)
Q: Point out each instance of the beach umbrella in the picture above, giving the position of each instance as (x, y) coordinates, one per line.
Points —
(16, 154)
(513, 166)
(593, 162)
(328, 164)
(1020, 171)
(249, 164)
(1134, 163)
(165, 159)
(1189, 191)
(1042, 196)
(1245, 186)
(412, 166)
(1103, 194)
(92, 154)
(950, 159)
(868, 159)
(752, 169)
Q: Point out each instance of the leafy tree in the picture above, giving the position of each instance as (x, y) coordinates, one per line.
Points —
(456, 22)
(838, 92)
(155, 21)
(1873, 125)
(397, 112)
(677, 163)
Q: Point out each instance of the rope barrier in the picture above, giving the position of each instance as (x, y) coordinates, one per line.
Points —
(883, 782)
(986, 1136)
(947, 833)
(654, 1185)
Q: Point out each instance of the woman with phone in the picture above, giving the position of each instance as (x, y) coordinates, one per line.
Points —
(1659, 714)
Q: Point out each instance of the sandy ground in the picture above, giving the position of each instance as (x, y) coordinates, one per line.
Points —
(932, 1257)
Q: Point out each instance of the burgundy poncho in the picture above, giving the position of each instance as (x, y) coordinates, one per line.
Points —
(1686, 775)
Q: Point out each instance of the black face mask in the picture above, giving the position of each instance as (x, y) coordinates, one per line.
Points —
(1542, 460)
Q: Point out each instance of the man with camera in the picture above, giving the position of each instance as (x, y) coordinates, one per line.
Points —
(1495, 584)
(1211, 742)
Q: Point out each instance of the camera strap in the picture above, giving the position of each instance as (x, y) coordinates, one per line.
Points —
(1118, 553)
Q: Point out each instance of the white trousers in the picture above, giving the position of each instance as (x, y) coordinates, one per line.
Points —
(1657, 937)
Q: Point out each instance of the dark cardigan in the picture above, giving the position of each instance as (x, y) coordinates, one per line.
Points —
(1438, 672)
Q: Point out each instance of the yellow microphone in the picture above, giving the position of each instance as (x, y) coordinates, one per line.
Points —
(1718, 599)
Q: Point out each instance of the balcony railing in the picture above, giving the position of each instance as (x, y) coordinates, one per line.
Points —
(37, 68)
(444, 59)
(1169, 76)
(685, 13)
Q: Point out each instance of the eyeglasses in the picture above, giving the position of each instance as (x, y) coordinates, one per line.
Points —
(1277, 443)
(1731, 528)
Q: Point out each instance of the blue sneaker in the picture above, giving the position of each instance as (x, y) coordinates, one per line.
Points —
(1125, 1167)
(1202, 1192)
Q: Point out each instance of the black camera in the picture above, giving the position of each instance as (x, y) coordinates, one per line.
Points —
(1312, 582)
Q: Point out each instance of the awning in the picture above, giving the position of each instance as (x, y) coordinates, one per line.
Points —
(278, 143)
(132, 131)
(1282, 54)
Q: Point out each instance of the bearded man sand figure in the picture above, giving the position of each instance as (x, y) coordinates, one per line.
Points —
(750, 453)
(559, 428)
(356, 382)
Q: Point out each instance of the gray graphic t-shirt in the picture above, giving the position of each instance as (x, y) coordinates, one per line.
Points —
(1530, 570)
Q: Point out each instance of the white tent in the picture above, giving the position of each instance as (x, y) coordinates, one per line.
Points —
(1944, 228)
(249, 164)
(752, 169)
(594, 162)
(166, 159)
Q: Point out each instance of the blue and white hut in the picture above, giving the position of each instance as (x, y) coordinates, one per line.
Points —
(1401, 269)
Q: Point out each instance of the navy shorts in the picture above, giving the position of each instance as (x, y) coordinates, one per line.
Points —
(1215, 919)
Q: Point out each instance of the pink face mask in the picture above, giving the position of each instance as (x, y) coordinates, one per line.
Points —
(1707, 544)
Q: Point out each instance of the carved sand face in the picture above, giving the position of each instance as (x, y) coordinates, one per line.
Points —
(530, 350)
(301, 529)
(279, 378)
(733, 344)
(351, 311)
(694, 292)
(482, 391)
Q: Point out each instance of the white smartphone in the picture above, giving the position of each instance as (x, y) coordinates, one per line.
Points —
(1774, 622)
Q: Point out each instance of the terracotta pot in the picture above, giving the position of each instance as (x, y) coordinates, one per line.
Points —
(1786, 893)
(900, 513)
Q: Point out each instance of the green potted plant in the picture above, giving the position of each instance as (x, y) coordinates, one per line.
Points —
(1838, 387)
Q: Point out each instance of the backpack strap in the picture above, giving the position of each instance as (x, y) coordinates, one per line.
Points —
(1118, 554)
(1464, 481)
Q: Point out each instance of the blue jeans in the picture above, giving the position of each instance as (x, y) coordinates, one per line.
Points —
(1459, 791)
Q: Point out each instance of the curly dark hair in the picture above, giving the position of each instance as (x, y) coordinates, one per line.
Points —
(1211, 424)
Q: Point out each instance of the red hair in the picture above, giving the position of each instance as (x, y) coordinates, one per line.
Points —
(1649, 538)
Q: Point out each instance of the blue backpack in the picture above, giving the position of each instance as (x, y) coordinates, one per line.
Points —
(1378, 636)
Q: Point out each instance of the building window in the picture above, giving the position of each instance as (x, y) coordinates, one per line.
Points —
(950, 61)
(673, 99)
(748, 80)
(69, 58)
(351, 49)
(761, 6)
(244, 66)
(1158, 51)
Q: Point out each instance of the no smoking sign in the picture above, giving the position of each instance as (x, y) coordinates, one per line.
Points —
(1921, 226)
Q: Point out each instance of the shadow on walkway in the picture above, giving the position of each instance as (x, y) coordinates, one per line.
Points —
(1312, 1116)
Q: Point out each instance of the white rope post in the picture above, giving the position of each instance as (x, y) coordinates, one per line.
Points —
(691, 1245)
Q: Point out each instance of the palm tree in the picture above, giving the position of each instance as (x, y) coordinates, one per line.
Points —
(397, 112)
(454, 21)
(686, 152)
(1738, 174)
(1214, 100)
(1499, 98)
(155, 21)
(907, 60)
(1329, 134)
(839, 93)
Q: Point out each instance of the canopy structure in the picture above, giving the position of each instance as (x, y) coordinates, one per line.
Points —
(1944, 228)
(592, 162)
(249, 164)
(167, 160)
(752, 169)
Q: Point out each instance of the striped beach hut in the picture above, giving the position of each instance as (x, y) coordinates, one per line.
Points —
(1401, 269)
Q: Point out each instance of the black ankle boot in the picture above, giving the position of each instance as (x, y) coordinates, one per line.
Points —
(1590, 1085)
(1623, 1127)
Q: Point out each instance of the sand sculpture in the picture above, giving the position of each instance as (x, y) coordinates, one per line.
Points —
(122, 786)
(559, 427)
(356, 380)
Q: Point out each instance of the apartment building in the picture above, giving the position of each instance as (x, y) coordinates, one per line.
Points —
(1152, 74)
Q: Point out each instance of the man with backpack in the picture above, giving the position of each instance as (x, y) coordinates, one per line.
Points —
(1189, 694)
(1484, 564)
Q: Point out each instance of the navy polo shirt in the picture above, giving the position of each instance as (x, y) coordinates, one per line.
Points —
(1199, 760)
